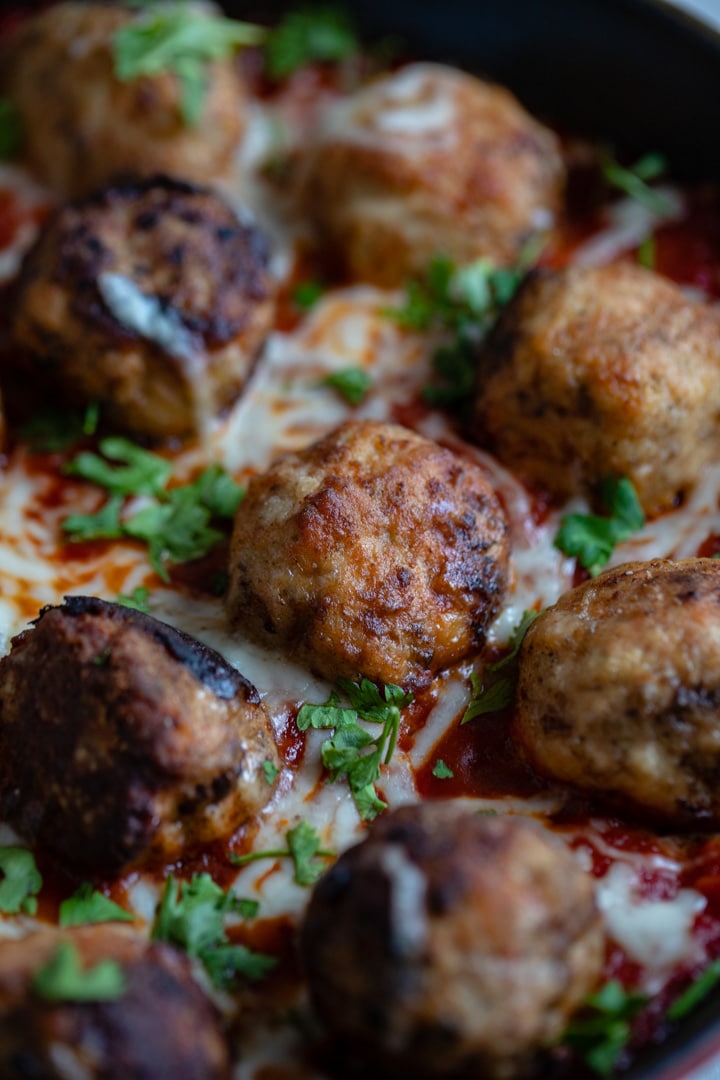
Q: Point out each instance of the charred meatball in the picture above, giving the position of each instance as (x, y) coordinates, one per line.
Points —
(449, 944)
(124, 741)
(152, 298)
(373, 552)
(83, 126)
(593, 373)
(162, 1025)
(427, 161)
(619, 689)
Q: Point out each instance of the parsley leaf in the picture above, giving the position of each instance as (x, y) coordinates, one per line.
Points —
(634, 181)
(304, 847)
(104, 525)
(442, 771)
(646, 253)
(53, 430)
(696, 992)
(343, 753)
(137, 599)
(21, 881)
(604, 1034)
(351, 383)
(63, 979)
(181, 39)
(497, 694)
(591, 538)
(307, 293)
(191, 915)
(271, 771)
(89, 906)
(10, 130)
(140, 472)
(516, 639)
(324, 34)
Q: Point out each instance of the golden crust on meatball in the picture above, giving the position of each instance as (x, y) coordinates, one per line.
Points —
(150, 297)
(83, 127)
(450, 944)
(161, 1025)
(123, 741)
(619, 690)
(428, 161)
(374, 552)
(602, 372)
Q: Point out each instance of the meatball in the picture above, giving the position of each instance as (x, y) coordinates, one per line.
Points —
(388, 555)
(427, 161)
(152, 298)
(83, 126)
(619, 689)
(162, 1025)
(601, 372)
(450, 944)
(123, 741)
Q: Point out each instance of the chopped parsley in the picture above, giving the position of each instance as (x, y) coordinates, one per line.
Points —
(352, 751)
(191, 915)
(442, 771)
(323, 34)
(270, 771)
(10, 130)
(592, 538)
(464, 303)
(646, 253)
(183, 39)
(175, 523)
(497, 694)
(137, 599)
(53, 430)
(87, 905)
(307, 293)
(351, 383)
(21, 881)
(696, 992)
(601, 1037)
(63, 979)
(635, 181)
(304, 847)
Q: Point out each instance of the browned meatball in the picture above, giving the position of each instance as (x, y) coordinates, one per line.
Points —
(162, 1025)
(83, 127)
(152, 298)
(619, 689)
(373, 552)
(593, 373)
(124, 741)
(450, 944)
(427, 161)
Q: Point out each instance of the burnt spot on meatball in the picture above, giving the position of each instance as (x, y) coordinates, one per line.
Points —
(125, 742)
(427, 160)
(389, 555)
(83, 126)
(152, 297)
(161, 1025)
(619, 691)
(450, 944)
(602, 372)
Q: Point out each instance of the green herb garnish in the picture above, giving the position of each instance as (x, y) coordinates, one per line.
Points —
(137, 599)
(304, 847)
(635, 181)
(696, 992)
(87, 905)
(442, 771)
(52, 431)
(10, 130)
(307, 293)
(191, 915)
(139, 471)
(270, 771)
(351, 383)
(496, 694)
(20, 883)
(604, 1034)
(591, 538)
(182, 39)
(352, 751)
(63, 979)
(304, 37)
(646, 253)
